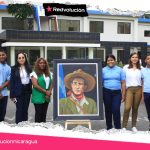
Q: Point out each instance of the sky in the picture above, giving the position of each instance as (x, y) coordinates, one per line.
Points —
(103, 4)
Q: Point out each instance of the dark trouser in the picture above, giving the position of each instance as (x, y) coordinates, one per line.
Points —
(147, 103)
(112, 102)
(22, 106)
(3, 105)
(40, 112)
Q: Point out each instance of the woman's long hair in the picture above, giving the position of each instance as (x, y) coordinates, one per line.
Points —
(138, 66)
(38, 71)
(26, 64)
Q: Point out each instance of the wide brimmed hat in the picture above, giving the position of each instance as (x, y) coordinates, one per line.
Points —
(89, 79)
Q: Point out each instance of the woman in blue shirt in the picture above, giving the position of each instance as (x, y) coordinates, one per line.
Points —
(146, 86)
(113, 92)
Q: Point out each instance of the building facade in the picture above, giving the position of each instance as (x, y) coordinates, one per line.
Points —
(64, 37)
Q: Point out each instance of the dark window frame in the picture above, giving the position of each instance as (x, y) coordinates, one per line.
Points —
(71, 26)
(124, 28)
(17, 24)
(101, 26)
(146, 33)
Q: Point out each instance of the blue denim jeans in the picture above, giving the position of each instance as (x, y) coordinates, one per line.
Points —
(112, 102)
(147, 103)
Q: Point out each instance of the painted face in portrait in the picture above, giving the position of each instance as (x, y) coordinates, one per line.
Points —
(21, 59)
(2, 57)
(78, 86)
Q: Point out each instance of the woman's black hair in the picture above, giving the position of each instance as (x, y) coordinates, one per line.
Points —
(2, 50)
(27, 66)
(110, 56)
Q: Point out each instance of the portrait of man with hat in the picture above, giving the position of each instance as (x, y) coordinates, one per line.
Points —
(78, 83)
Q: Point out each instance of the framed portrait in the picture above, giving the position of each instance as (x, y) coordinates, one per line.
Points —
(78, 89)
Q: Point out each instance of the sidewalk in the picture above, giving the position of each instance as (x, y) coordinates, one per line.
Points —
(142, 122)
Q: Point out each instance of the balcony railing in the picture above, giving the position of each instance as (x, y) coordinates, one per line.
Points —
(50, 36)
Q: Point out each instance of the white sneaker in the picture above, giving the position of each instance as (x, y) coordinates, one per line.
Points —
(134, 129)
(124, 129)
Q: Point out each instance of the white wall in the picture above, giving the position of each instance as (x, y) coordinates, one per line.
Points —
(142, 27)
(110, 32)
(110, 28)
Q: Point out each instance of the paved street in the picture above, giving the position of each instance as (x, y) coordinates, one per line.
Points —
(142, 123)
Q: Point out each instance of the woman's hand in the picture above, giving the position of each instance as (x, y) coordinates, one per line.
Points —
(48, 93)
(14, 100)
(47, 97)
(1, 96)
(123, 98)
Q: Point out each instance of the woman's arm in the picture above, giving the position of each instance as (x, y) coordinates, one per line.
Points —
(123, 89)
(142, 99)
(51, 87)
(12, 83)
(50, 90)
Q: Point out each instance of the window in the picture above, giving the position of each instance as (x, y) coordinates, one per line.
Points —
(66, 25)
(12, 23)
(120, 55)
(96, 26)
(98, 53)
(77, 53)
(147, 33)
(148, 51)
(33, 55)
(53, 53)
(124, 28)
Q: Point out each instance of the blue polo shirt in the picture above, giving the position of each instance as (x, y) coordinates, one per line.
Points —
(146, 79)
(5, 71)
(112, 77)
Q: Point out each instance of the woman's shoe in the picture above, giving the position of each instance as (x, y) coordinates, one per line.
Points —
(134, 129)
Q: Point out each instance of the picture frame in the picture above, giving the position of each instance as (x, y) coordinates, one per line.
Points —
(71, 76)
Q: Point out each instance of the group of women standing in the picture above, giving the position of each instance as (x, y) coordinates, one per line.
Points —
(21, 81)
(128, 85)
(124, 85)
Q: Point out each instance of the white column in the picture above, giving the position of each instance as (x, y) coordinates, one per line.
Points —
(90, 53)
(85, 25)
(64, 52)
(45, 51)
(135, 30)
(114, 52)
(12, 56)
(41, 52)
